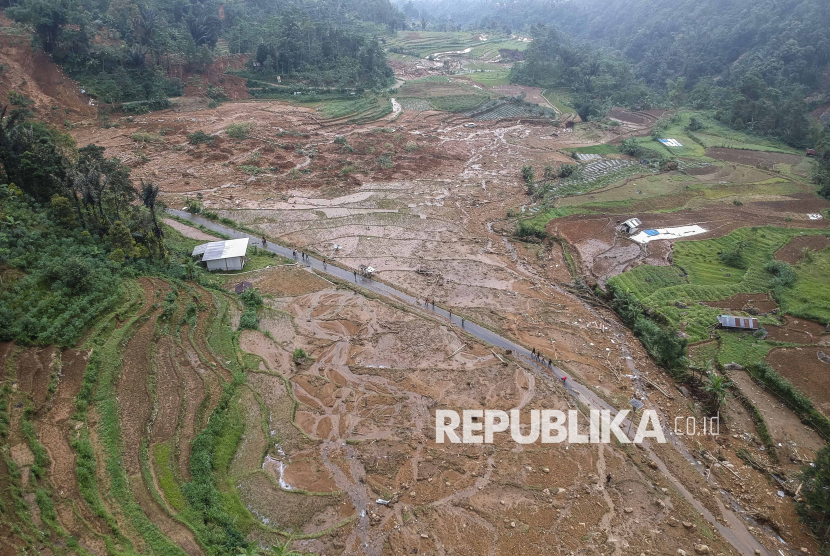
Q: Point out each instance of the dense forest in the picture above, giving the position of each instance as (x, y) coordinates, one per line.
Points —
(598, 80)
(123, 51)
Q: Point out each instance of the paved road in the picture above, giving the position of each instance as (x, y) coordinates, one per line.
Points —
(735, 531)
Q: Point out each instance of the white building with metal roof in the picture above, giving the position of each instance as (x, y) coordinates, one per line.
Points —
(223, 255)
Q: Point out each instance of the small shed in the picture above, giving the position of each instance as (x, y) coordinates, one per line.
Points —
(630, 226)
(223, 255)
(745, 323)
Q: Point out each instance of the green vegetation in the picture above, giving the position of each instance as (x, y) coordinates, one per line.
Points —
(241, 130)
(120, 52)
(200, 138)
(814, 506)
(755, 73)
(19, 99)
(423, 44)
(599, 80)
(699, 274)
(252, 301)
(68, 276)
(716, 269)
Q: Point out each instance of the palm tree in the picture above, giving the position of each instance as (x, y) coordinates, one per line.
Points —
(717, 386)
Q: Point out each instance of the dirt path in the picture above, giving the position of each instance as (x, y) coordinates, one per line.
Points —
(188, 231)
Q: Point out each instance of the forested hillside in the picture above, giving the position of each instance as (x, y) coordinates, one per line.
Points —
(761, 65)
(122, 51)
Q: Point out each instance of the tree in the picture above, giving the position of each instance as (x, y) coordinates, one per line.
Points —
(30, 155)
(149, 195)
(717, 387)
(119, 237)
(62, 211)
(48, 17)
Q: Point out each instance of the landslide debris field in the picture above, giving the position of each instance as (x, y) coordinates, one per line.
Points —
(169, 430)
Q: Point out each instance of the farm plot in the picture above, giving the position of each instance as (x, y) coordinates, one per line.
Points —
(415, 104)
(596, 174)
(442, 94)
(707, 271)
(497, 110)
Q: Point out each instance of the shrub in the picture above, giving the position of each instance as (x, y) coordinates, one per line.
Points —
(567, 170)
(695, 124)
(241, 130)
(19, 99)
(733, 259)
(145, 137)
(249, 320)
(785, 276)
(200, 138)
(794, 399)
(193, 206)
(528, 174)
(251, 298)
(385, 161)
(411, 146)
(250, 169)
(299, 354)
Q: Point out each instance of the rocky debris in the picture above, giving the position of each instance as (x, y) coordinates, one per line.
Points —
(733, 367)
(701, 549)
(823, 357)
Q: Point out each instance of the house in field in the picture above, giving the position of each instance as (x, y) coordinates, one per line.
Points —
(223, 255)
(630, 226)
(744, 323)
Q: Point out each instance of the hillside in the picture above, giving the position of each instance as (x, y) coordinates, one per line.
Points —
(30, 79)
(452, 240)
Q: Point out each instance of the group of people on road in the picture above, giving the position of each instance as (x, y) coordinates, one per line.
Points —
(303, 256)
(537, 355)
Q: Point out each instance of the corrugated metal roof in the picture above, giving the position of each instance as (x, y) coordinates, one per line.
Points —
(222, 249)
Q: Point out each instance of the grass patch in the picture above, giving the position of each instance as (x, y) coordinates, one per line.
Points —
(809, 298)
(167, 480)
(491, 78)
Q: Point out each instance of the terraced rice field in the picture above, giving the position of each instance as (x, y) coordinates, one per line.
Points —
(699, 274)
(484, 46)
(507, 110)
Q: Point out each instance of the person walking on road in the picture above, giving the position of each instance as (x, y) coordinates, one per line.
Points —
(462, 322)
(264, 242)
(355, 275)
(324, 263)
